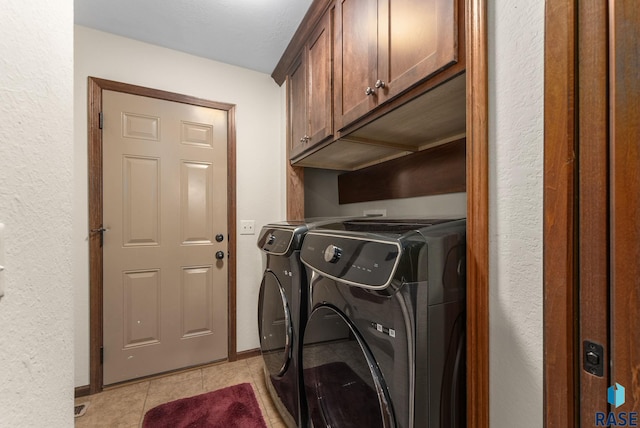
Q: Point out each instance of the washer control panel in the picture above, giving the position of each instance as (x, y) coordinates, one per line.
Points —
(275, 241)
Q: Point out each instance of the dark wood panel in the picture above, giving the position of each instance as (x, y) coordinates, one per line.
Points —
(593, 146)
(625, 197)
(560, 294)
(429, 172)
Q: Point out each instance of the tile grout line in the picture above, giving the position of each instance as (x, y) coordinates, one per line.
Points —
(144, 405)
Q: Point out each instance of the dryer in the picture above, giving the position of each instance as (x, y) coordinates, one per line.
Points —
(384, 343)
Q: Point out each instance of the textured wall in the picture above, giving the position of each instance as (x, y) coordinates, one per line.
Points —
(259, 142)
(36, 158)
(516, 31)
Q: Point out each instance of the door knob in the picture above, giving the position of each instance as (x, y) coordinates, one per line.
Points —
(220, 255)
(369, 91)
(219, 237)
(379, 84)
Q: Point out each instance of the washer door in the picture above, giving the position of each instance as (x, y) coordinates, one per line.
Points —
(343, 384)
(274, 325)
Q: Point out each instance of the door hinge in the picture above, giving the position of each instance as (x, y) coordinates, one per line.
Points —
(100, 120)
(102, 355)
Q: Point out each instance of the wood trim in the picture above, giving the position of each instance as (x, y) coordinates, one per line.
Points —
(95, 88)
(243, 355)
(95, 222)
(302, 34)
(434, 171)
(624, 86)
(593, 196)
(82, 391)
(559, 230)
(477, 215)
(232, 259)
(294, 174)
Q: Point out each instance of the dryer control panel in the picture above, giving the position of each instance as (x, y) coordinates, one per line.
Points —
(361, 262)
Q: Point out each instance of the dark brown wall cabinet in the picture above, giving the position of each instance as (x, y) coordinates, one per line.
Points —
(384, 48)
(373, 80)
(309, 86)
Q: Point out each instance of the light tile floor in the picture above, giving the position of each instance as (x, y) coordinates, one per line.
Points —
(125, 406)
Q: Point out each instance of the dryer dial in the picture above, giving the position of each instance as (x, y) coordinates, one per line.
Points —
(332, 254)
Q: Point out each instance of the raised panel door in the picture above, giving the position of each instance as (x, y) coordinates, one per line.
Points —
(416, 39)
(355, 59)
(165, 198)
(319, 89)
(297, 107)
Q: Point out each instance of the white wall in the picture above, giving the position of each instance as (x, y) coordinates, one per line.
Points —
(516, 34)
(260, 156)
(36, 184)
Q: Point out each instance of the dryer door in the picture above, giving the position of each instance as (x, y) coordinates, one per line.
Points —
(274, 325)
(343, 384)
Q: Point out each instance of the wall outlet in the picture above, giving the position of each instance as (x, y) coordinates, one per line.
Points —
(247, 227)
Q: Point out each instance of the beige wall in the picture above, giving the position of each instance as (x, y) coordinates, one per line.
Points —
(260, 154)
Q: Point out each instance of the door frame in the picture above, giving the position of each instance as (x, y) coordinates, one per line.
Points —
(95, 88)
(586, 58)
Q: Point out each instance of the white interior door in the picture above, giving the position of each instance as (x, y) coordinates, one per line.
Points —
(165, 210)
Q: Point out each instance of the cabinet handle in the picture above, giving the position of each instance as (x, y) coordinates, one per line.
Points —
(369, 91)
(306, 138)
(379, 84)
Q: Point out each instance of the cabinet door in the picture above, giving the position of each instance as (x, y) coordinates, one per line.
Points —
(319, 89)
(416, 38)
(356, 58)
(297, 107)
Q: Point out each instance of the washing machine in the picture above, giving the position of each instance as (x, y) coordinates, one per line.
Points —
(384, 343)
(281, 315)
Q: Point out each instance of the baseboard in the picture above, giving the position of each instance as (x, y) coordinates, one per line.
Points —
(243, 355)
(82, 391)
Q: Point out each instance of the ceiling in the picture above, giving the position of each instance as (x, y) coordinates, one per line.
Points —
(248, 33)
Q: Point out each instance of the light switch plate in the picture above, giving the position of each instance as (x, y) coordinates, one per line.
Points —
(247, 227)
(2, 266)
